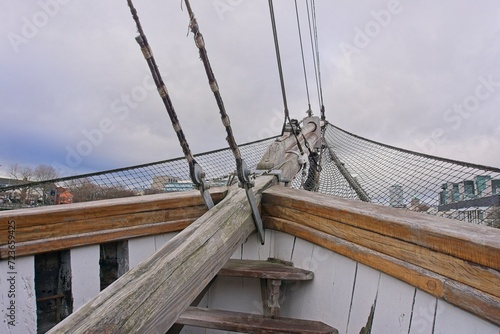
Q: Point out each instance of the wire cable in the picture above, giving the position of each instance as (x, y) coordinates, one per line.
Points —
(309, 111)
(278, 60)
(313, 34)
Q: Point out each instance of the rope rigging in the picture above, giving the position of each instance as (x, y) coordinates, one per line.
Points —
(293, 125)
(280, 68)
(241, 167)
(195, 170)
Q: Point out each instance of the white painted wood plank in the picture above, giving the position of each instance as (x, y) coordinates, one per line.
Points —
(24, 316)
(424, 309)
(452, 320)
(283, 246)
(193, 330)
(162, 239)
(139, 249)
(237, 253)
(85, 272)
(240, 294)
(393, 307)
(236, 294)
(327, 297)
(254, 250)
(363, 299)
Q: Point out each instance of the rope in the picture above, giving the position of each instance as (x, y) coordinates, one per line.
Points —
(278, 60)
(315, 52)
(200, 43)
(309, 111)
(196, 173)
(241, 167)
(294, 125)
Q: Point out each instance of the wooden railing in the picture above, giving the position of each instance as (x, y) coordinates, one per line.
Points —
(452, 260)
(53, 228)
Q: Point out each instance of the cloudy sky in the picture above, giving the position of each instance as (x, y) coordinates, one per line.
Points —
(76, 92)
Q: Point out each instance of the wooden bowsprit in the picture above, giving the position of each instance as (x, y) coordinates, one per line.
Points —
(150, 297)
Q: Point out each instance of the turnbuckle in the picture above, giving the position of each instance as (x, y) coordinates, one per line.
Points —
(247, 184)
(198, 178)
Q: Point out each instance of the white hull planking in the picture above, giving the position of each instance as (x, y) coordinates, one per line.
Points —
(344, 294)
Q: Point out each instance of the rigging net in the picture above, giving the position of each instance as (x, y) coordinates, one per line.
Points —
(385, 175)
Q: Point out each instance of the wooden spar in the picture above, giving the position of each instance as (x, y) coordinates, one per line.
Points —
(351, 180)
(283, 155)
(454, 261)
(150, 297)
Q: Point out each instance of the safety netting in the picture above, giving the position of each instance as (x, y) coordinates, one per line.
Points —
(349, 166)
(158, 177)
(358, 168)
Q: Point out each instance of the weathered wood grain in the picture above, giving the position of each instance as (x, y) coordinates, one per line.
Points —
(150, 297)
(472, 274)
(251, 323)
(93, 238)
(264, 269)
(66, 226)
(473, 243)
(283, 153)
(97, 210)
(437, 285)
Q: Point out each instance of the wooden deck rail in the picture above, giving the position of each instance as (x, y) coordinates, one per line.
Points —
(451, 260)
(53, 228)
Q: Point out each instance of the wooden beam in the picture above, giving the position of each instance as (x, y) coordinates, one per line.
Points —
(94, 238)
(469, 242)
(479, 277)
(436, 255)
(477, 302)
(251, 323)
(97, 211)
(150, 297)
(265, 269)
(283, 153)
(480, 303)
(71, 225)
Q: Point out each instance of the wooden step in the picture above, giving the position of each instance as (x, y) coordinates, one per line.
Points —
(250, 323)
(271, 269)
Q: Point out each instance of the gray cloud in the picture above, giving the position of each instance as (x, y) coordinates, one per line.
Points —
(72, 74)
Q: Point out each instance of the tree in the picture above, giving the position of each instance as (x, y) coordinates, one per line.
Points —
(45, 172)
(27, 174)
(85, 190)
(19, 172)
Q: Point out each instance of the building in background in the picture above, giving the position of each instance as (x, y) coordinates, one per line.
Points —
(475, 201)
(396, 196)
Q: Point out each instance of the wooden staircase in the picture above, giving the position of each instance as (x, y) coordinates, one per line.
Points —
(271, 274)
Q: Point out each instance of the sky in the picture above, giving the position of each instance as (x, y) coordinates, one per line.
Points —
(76, 93)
